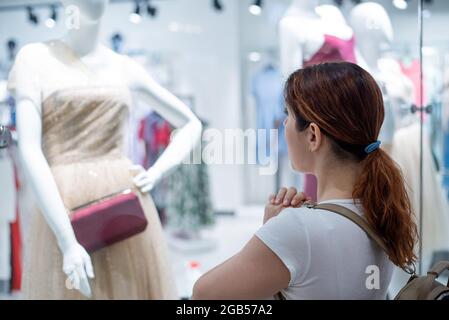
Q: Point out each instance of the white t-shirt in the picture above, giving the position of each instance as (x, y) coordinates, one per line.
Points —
(328, 256)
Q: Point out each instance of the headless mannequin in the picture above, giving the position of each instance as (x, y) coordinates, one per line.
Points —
(303, 32)
(374, 33)
(84, 43)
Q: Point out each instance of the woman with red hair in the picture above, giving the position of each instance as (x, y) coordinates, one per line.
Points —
(335, 113)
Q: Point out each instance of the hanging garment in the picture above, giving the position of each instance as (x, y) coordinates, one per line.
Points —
(333, 49)
(406, 152)
(155, 131)
(435, 236)
(413, 72)
(267, 89)
(16, 245)
(83, 141)
(7, 215)
(189, 202)
(386, 134)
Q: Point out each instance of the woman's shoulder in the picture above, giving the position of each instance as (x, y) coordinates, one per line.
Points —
(291, 221)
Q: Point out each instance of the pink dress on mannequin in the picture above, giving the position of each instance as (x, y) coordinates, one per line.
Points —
(333, 49)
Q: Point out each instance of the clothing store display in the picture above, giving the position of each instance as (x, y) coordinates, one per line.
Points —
(16, 244)
(313, 245)
(5, 258)
(406, 152)
(267, 89)
(189, 205)
(16, 255)
(413, 72)
(155, 132)
(108, 220)
(333, 49)
(7, 216)
(386, 134)
(83, 137)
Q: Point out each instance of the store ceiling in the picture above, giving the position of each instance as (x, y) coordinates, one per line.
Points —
(436, 5)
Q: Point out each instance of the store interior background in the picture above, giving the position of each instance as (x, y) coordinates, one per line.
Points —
(209, 56)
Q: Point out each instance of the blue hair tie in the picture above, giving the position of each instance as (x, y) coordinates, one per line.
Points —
(373, 147)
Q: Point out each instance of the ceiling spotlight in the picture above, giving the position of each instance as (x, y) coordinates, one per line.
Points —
(151, 10)
(135, 16)
(254, 56)
(217, 5)
(400, 4)
(51, 21)
(32, 16)
(256, 8)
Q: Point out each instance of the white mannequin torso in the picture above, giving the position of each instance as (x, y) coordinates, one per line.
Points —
(303, 30)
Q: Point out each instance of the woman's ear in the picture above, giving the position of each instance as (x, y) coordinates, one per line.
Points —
(315, 137)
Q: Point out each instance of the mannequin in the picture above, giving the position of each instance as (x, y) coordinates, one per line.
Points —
(310, 34)
(374, 33)
(79, 61)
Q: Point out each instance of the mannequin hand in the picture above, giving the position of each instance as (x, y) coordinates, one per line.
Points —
(146, 180)
(284, 199)
(78, 268)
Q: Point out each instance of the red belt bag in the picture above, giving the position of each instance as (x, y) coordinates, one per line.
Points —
(108, 220)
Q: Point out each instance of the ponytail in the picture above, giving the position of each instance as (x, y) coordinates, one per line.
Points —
(387, 207)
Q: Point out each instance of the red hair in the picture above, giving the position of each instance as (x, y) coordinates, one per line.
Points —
(347, 104)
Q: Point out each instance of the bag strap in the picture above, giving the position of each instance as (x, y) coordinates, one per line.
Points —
(432, 275)
(439, 268)
(362, 223)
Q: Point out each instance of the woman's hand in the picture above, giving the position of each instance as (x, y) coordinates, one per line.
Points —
(284, 199)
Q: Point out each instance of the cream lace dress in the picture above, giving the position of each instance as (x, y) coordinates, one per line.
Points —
(83, 139)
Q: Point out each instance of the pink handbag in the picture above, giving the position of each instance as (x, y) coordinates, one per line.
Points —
(108, 220)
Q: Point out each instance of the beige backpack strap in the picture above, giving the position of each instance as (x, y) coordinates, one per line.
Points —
(439, 268)
(432, 275)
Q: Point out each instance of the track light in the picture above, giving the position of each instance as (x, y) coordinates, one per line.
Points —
(151, 10)
(135, 16)
(51, 21)
(256, 8)
(400, 4)
(217, 5)
(32, 16)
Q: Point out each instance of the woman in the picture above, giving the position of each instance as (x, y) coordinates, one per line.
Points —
(335, 113)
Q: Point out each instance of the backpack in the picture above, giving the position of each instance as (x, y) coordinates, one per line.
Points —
(418, 287)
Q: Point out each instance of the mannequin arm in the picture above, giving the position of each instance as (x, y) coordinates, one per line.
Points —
(180, 116)
(41, 179)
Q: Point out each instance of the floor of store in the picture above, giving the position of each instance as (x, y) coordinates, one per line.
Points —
(226, 238)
